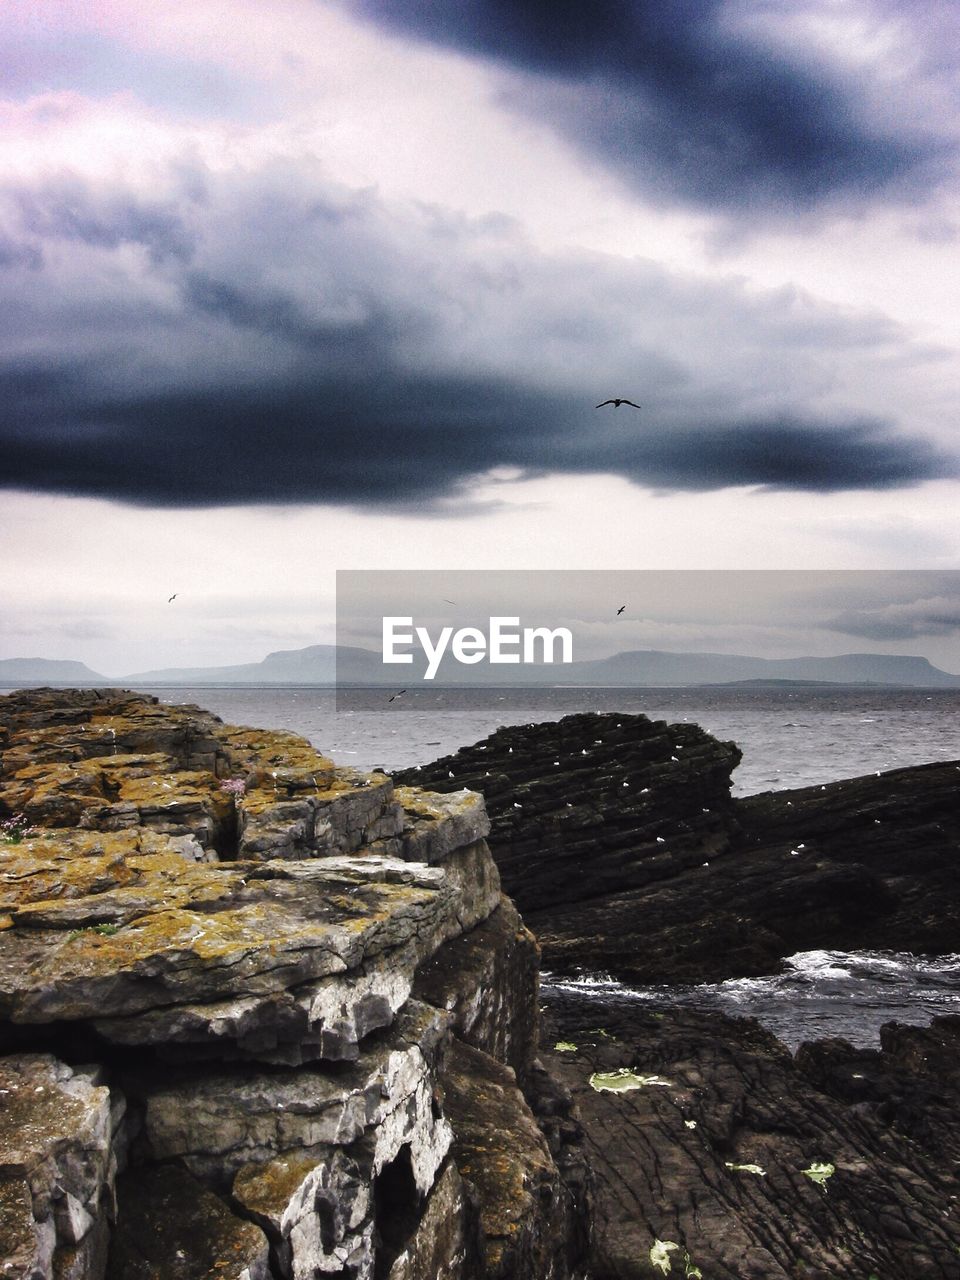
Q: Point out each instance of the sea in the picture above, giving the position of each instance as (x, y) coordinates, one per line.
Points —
(790, 736)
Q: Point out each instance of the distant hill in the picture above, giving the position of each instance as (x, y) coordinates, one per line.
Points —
(325, 663)
(48, 671)
(656, 667)
(316, 664)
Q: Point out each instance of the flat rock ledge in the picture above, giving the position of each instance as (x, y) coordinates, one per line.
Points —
(246, 996)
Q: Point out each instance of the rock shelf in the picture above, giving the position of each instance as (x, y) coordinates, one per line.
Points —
(713, 1151)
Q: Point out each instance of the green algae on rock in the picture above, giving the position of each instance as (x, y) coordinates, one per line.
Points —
(622, 1080)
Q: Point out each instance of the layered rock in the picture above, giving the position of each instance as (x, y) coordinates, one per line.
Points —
(266, 1018)
(713, 1151)
(620, 843)
(272, 961)
(58, 1164)
(593, 804)
(716, 1153)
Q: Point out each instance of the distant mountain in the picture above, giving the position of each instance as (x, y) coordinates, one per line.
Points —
(317, 664)
(655, 667)
(48, 671)
(326, 663)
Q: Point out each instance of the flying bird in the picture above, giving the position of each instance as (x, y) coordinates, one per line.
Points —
(617, 403)
(170, 599)
(620, 610)
(396, 695)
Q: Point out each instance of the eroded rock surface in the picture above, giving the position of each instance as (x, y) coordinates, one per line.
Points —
(488, 979)
(593, 804)
(619, 841)
(58, 1166)
(711, 1150)
(706, 1133)
(526, 1210)
(258, 951)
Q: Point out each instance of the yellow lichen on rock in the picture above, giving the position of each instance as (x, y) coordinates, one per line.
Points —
(239, 965)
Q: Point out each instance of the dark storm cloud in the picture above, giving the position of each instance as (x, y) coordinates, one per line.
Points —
(682, 104)
(937, 616)
(336, 442)
(284, 340)
(406, 441)
(69, 210)
(785, 454)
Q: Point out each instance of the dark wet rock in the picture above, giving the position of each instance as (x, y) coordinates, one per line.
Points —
(910, 1086)
(619, 841)
(708, 1149)
(705, 1134)
(530, 1222)
(593, 804)
(172, 1228)
(875, 859)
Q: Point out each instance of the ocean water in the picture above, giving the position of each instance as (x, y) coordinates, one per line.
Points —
(789, 737)
(818, 995)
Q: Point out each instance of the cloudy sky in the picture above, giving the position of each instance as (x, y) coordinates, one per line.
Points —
(313, 285)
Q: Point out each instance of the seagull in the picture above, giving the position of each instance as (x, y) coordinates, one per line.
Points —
(617, 403)
(170, 599)
(620, 610)
(396, 695)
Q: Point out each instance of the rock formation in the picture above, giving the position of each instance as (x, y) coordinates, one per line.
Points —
(265, 1018)
(248, 1002)
(619, 841)
(704, 1134)
(714, 1153)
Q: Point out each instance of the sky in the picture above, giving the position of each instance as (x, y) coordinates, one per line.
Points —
(761, 612)
(337, 284)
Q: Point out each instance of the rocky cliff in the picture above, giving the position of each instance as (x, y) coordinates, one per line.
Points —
(261, 1016)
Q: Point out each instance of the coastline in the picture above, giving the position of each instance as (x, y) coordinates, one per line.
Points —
(316, 1024)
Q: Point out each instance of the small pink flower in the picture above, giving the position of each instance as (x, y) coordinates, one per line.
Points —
(13, 830)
